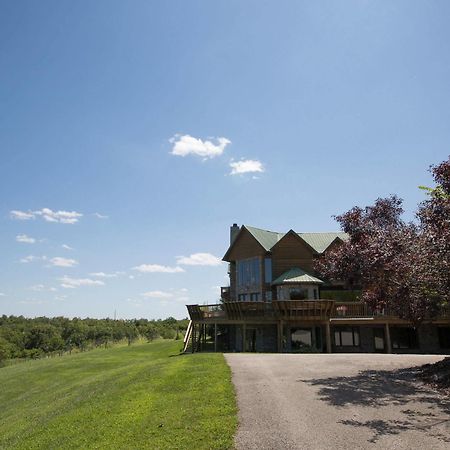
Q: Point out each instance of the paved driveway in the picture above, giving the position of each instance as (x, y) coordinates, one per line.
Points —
(335, 401)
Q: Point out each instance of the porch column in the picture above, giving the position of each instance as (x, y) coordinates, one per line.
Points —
(387, 333)
(193, 337)
(328, 336)
(244, 332)
(280, 336)
(215, 336)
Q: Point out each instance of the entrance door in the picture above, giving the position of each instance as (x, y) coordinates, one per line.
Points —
(250, 340)
(378, 340)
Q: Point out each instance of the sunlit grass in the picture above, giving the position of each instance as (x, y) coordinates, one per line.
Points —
(143, 396)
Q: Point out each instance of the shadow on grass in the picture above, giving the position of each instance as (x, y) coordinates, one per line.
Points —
(382, 388)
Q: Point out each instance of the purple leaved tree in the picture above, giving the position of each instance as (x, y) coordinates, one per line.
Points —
(401, 266)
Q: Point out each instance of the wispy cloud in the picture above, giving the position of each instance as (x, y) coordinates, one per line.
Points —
(67, 217)
(59, 261)
(156, 268)
(32, 302)
(67, 247)
(157, 294)
(2, 294)
(199, 259)
(184, 145)
(42, 287)
(105, 275)
(246, 166)
(100, 216)
(31, 258)
(25, 239)
(21, 215)
(72, 283)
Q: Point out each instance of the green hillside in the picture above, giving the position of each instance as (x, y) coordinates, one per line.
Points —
(143, 396)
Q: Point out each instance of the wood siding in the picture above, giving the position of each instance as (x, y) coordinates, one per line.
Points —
(245, 246)
(291, 252)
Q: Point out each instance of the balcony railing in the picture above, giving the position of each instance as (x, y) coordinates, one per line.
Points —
(291, 310)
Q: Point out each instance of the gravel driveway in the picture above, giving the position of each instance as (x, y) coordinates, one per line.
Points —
(337, 401)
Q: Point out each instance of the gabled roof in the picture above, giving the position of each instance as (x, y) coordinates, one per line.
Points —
(296, 275)
(321, 241)
(266, 238)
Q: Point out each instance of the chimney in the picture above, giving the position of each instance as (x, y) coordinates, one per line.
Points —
(234, 230)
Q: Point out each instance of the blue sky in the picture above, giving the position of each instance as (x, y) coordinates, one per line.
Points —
(136, 133)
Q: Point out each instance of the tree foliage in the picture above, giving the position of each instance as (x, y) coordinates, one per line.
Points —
(22, 337)
(398, 265)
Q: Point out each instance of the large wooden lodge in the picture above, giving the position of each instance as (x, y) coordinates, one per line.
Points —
(276, 302)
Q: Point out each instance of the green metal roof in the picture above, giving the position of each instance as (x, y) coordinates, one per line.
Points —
(296, 275)
(318, 241)
(266, 238)
(321, 241)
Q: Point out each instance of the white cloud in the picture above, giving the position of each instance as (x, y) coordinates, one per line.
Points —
(32, 302)
(31, 258)
(188, 145)
(42, 287)
(156, 268)
(25, 239)
(67, 247)
(157, 294)
(68, 217)
(37, 287)
(21, 215)
(2, 294)
(59, 261)
(199, 259)
(246, 166)
(103, 275)
(72, 283)
(100, 216)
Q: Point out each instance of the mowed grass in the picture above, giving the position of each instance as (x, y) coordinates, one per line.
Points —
(138, 397)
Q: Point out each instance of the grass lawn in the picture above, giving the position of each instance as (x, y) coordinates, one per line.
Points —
(143, 396)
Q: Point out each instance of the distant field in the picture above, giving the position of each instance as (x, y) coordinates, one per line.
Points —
(143, 396)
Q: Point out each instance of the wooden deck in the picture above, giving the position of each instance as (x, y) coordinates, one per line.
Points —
(294, 310)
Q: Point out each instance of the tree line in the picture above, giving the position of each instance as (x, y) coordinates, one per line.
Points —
(26, 338)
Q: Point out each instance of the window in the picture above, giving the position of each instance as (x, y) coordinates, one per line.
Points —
(346, 337)
(298, 294)
(301, 338)
(268, 296)
(402, 337)
(254, 297)
(444, 337)
(248, 272)
(268, 270)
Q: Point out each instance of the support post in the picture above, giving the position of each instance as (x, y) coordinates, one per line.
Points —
(244, 332)
(387, 333)
(328, 336)
(280, 336)
(215, 336)
(193, 337)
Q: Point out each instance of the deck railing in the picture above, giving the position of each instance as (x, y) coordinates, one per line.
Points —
(291, 310)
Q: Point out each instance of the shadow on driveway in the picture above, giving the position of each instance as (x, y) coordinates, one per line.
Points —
(376, 389)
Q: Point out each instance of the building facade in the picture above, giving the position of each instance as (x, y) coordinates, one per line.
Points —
(276, 302)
